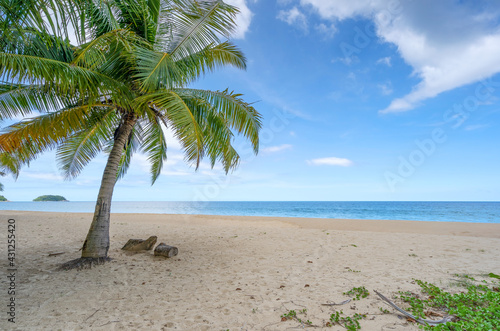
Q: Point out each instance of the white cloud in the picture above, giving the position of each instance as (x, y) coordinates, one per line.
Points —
(342, 9)
(293, 17)
(386, 88)
(385, 60)
(243, 19)
(448, 43)
(333, 161)
(43, 176)
(347, 60)
(328, 31)
(275, 149)
(476, 127)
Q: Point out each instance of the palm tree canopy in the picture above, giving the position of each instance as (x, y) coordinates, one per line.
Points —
(132, 58)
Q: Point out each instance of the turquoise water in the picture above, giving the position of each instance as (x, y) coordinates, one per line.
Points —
(476, 212)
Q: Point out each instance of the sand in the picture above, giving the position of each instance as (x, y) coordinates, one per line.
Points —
(233, 273)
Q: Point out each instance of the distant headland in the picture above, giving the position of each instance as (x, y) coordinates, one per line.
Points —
(50, 198)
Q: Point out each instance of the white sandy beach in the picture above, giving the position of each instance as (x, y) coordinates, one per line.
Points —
(236, 273)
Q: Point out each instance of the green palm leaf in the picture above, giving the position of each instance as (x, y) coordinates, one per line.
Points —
(155, 144)
(68, 79)
(157, 70)
(198, 25)
(22, 100)
(181, 120)
(131, 147)
(100, 16)
(31, 137)
(238, 114)
(80, 148)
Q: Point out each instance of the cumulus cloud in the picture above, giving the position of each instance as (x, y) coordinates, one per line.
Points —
(333, 161)
(293, 17)
(243, 19)
(275, 149)
(448, 43)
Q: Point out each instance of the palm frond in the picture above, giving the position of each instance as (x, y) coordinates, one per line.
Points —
(157, 70)
(238, 114)
(10, 164)
(131, 147)
(154, 145)
(140, 16)
(21, 100)
(218, 136)
(181, 120)
(79, 149)
(98, 16)
(198, 24)
(111, 54)
(55, 17)
(69, 79)
(31, 137)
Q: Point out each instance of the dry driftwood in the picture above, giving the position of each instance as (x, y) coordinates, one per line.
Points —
(165, 250)
(446, 319)
(136, 245)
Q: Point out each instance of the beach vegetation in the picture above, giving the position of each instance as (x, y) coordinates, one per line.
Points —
(111, 76)
(358, 292)
(384, 311)
(50, 198)
(477, 307)
(293, 315)
(350, 323)
(2, 198)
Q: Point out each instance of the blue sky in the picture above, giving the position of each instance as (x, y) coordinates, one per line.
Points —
(362, 100)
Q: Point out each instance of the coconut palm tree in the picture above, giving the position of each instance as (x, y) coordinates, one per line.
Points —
(115, 91)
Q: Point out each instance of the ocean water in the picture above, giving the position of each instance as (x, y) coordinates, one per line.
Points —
(475, 212)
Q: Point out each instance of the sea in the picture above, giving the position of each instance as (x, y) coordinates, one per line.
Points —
(473, 212)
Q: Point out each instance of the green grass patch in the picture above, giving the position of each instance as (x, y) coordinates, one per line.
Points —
(477, 307)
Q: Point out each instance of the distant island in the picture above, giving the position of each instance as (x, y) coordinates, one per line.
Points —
(2, 198)
(50, 198)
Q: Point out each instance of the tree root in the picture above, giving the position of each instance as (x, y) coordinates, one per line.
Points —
(83, 263)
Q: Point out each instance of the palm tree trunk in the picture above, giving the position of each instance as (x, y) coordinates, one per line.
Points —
(96, 244)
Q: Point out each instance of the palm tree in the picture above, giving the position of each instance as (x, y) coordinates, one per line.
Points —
(119, 88)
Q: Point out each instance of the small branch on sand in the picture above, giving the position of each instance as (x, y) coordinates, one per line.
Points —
(92, 315)
(336, 304)
(446, 319)
(55, 254)
(108, 323)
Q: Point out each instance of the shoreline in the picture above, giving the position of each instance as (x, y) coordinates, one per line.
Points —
(467, 212)
(466, 229)
(235, 272)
